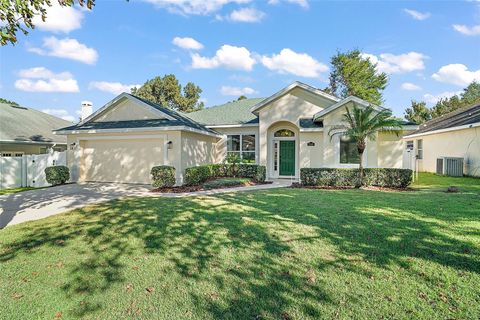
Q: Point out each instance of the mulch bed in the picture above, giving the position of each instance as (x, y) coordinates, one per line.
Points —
(371, 188)
(188, 189)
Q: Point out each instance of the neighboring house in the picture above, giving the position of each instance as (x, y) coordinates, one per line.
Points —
(286, 131)
(456, 134)
(27, 131)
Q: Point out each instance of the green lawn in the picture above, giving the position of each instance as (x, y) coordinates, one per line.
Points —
(15, 190)
(272, 254)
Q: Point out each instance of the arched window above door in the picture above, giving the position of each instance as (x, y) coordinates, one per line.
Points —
(282, 133)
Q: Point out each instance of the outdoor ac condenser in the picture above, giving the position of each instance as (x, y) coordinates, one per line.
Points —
(450, 166)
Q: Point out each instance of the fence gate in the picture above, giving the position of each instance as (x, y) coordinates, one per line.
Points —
(28, 170)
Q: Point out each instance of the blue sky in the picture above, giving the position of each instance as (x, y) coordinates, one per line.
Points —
(228, 47)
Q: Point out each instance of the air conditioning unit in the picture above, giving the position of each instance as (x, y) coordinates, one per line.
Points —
(450, 166)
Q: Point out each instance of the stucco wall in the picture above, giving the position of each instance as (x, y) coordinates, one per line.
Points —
(297, 104)
(127, 110)
(197, 150)
(311, 156)
(460, 143)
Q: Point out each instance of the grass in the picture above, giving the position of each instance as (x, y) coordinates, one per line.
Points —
(272, 254)
(434, 182)
(226, 183)
(15, 190)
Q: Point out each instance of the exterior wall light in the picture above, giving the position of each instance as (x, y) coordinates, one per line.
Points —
(169, 145)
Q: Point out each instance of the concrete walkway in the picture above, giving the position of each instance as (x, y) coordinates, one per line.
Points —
(37, 204)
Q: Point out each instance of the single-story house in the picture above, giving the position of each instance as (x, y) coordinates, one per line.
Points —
(123, 140)
(26, 131)
(454, 135)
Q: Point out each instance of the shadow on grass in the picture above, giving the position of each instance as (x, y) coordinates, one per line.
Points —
(266, 272)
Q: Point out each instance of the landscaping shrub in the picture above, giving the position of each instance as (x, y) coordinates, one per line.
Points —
(57, 175)
(200, 174)
(163, 176)
(226, 182)
(381, 177)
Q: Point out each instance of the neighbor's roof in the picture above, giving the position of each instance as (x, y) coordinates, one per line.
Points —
(461, 117)
(176, 120)
(231, 113)
(25, 125)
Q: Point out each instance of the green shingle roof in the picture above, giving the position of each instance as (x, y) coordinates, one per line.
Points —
(29, 125)
(236, 112)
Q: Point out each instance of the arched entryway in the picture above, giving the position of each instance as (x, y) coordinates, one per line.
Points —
(283, 150)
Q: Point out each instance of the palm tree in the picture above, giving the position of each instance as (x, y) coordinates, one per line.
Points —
(361, 124)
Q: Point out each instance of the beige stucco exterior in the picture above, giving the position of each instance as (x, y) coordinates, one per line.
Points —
(463, 143)
(128, 155)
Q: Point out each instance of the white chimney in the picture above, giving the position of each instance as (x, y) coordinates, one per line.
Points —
(87, 110)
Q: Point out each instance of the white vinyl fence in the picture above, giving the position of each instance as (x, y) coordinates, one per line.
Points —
(28, 170)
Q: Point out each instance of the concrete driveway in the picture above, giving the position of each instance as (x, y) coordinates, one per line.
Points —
(37, 204)
(41, 203)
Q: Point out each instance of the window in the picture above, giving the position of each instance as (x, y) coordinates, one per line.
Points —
(348, 151)
(420, 149)
(243, 145)
(283, 133)
(409, 145)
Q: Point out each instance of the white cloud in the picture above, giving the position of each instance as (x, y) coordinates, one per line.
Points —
(246, 15)
(457, 74)
(299, 64)
(390, 63)
(301, 3)
(410, 86)
(430, 98)
(236, 91)
(228, 56)
(66, 48)
(60, 19)
(194, 7)
(187, 43)
(45, 81)
(468, 31)
(417, 15)
(112, 87)
(60, 113)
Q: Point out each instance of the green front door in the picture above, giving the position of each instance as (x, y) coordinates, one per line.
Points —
(287, 158)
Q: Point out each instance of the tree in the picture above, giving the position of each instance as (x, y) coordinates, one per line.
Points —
(18, 15)
(471, 94)
(167, 91)
(418, 112)
(242, 97)
(362, 124)
(353, 75)
(12, 103)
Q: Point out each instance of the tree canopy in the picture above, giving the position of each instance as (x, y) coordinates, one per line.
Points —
(17, 15)
(353, 75)
(418, 111)
(13, 103)
(168, 92)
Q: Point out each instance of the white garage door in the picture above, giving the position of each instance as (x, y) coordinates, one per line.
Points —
(127, 160)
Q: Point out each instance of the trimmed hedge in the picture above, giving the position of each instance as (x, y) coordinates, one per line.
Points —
(163, 176)
(198, 175)
(57, 175)
(380, 177)
(225, 183)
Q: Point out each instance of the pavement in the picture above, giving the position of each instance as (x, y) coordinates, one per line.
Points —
(41, 203)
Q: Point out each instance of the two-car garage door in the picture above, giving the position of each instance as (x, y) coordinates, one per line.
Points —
(122, 160)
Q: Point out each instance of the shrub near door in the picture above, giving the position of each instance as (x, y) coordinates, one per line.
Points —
(333, 177)
(198, 175)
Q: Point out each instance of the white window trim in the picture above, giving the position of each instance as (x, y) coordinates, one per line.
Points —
(349, 165)
(241, 134)
(419, 149)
